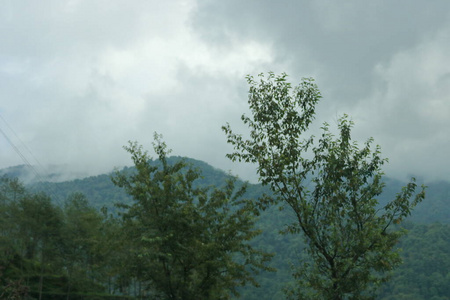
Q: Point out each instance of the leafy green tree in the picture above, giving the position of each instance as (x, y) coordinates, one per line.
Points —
(10, 191)
(187, 242)
(331, 187)
(82, 236)
(40, 222)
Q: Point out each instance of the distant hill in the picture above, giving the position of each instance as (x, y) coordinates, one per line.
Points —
(101, 192)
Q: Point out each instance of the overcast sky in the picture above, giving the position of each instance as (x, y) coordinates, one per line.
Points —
(80, 78)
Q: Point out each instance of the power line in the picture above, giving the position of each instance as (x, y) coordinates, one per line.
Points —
(25, 160)
(24, 146)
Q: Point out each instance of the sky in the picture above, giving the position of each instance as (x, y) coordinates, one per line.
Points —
(81, 78)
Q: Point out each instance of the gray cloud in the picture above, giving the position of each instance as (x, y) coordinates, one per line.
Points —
(338, 43)
(384, 63)
(78, 79)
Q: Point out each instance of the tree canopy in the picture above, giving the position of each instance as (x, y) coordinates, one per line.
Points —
(330, 184)
(187, 242)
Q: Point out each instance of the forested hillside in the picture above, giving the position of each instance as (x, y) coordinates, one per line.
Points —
(66, 245)
(101, 191)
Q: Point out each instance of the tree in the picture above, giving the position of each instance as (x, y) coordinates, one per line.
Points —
(82, 238)
(11, 285)
(40, 222)
(331, 187)
(187, 242)
(11, 190)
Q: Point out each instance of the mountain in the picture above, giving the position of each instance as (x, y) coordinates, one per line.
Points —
(101, 192)
(424, 274)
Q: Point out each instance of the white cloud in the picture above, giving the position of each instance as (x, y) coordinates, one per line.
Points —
(96, 74)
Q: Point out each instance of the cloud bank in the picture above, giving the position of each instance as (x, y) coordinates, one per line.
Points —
(78, 79)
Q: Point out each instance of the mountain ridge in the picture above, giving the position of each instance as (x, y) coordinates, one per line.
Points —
(101, 191)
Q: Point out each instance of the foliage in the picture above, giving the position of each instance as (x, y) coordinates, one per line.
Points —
(424, 273)
(187, 242)
(332, 194)
(37, 245)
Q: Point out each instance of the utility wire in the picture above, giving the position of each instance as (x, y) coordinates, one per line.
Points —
(25, 160)
(24, 146)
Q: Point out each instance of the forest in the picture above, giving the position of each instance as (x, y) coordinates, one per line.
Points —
(325, 222)
(64, 244)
